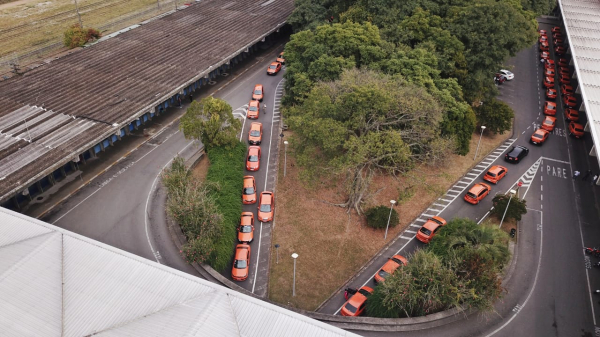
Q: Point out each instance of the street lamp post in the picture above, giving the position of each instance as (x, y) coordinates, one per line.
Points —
(295, 256)
(389, 218)
(479, 143)
(277, 252)
(512, 192)
(285, 158)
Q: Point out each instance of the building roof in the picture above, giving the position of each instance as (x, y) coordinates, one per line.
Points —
(582, 27)
(76, 101)
(57, 283)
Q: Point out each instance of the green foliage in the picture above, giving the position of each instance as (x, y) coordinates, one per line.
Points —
(539, 7)
(377, 217)
(227, 171)
(422, 287)
(190, 205)
(460, 267)
(211, 120)
(495, 115)
(76, 36)
(516, 209)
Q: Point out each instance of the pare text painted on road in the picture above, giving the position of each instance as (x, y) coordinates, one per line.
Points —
(555, 171)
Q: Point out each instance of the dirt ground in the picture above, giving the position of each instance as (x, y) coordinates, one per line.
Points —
(333, 244)
(201, 169)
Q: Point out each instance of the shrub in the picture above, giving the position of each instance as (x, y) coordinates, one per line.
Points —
(227, 171)
(377, 217)
(76, 36)
(516, 209)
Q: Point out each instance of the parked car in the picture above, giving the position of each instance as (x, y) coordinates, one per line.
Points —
(565, 79)
(477, 193)
(548, 82)
(564, 71)
(430, 228)
(516, 154)
(556, 30)
(241, 263)
(542, 32)
(499, 78)
(389, 267)
(549, 123)
(249, 190)
(258, 93)
(560, 50)
(576, 130)
(543, 38)
(569, 101)
(545, 55)
(550, 108)
(246, 228)
(563, 62)
(356, 304)
(539, 137)
(274, 68)
(571, 115)
(551, 93)
(266, 206)
(544, 46)
(253, 161)
(280, 58)
(495, 174)
(253, 110)
(557, 35)
(566, 89)
(255, 133)
(550, 64)
(509, 75)
(549, 72)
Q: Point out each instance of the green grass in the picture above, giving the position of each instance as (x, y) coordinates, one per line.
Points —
(227, 170)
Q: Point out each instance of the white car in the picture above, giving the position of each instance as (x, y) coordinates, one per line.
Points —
(509, 76)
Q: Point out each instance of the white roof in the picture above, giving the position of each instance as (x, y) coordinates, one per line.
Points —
(582, 26)
(57, 283)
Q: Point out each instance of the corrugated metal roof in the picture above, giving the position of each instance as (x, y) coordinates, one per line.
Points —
(582, 26)
(57, 283)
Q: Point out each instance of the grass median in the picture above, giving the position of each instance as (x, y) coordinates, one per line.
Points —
(333, 245)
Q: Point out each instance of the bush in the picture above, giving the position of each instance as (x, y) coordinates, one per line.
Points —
(377, 217)
(227, 171)
(516, 209)
(76, 36)
(495, 115)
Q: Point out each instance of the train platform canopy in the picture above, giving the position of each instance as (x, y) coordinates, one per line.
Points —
(55, 112)
(57, 283)
(582, 27)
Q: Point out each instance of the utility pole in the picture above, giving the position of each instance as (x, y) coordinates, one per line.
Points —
(78, 15)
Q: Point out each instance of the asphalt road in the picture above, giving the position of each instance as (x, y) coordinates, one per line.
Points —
(124, 208)
(548, 294)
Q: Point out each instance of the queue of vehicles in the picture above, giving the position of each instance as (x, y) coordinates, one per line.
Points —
(266, 199)
(356, 304)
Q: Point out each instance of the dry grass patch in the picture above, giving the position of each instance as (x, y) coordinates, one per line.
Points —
(332, 244)
(201, 169)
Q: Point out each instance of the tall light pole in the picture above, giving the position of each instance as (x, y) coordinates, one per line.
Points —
(277, 251)
(295, 256)
(478, 143)
(285, 158)
(512, 192)
(393, 202)
(78, 15)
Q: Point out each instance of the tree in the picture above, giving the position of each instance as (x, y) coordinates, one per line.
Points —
(377, 217)
(516, 208)
(366, 123)
(495, 115)
(210, 120)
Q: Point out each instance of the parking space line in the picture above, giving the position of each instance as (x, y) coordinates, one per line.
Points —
(412, 232)
(427, 215)
(403, 237)
(414, 225)
(421, 220)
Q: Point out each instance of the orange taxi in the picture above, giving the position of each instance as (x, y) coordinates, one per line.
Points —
(495, 174)
(249, 190)
(563, 62)
(545, 55)
(556, 29)
(569, 101)
(566, 89)
(430, 228)
(548, 81)
(550, 108)
(559, 50)
(544, 46)
(477, 193)
(246, 228)
(273, 68)
(258, 93)
(551, 93)
(564, 71)
(575, 130)
(266, 206)
(549, 64)
(542, 32)
(253, 110)
(280, 58)
(253, 161)
(389, 267)
(255, 133)
(565, 79)
(571, 115)
(241, 262)
(356, 304)
(539, 137)
(549, 123)
(549, 72)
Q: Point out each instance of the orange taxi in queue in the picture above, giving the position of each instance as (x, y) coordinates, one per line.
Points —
(576, 130)
(389, 267)
(430, 228)
(356, 304)
(477, 193)
(539, 137)
(495, 174)
(241, 263)
(246, 228)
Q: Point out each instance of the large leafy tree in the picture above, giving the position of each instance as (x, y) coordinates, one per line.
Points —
(516, 208)
(210, 120)
(495, 115)
(366, 123)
